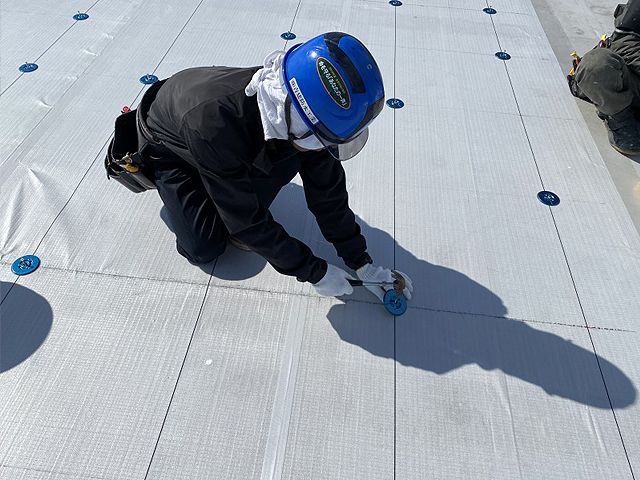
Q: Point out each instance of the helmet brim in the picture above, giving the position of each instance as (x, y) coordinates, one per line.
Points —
(346, 151)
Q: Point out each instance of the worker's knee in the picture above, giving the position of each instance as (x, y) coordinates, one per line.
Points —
(200, 252)
(599, 65)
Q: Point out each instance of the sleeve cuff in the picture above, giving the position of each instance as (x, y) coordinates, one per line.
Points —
(318, 274)
(359, 262)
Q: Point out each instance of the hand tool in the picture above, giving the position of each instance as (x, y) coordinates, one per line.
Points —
(394, 300)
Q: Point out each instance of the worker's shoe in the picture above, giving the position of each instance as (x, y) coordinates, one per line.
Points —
(238, 244)
(624, 131)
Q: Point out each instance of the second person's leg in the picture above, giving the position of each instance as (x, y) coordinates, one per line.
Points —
(604, 77)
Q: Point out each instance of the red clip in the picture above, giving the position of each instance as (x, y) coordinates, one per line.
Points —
(125, 110)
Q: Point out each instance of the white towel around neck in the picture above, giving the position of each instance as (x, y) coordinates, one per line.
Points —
(267, 83)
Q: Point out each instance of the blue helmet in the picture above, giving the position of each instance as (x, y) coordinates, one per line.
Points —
(336, 87)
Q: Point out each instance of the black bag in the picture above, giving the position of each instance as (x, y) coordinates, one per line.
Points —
(124, 161)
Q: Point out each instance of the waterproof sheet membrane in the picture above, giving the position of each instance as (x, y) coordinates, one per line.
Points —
(517, 357)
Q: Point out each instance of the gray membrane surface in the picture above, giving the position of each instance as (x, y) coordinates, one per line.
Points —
(517, 357)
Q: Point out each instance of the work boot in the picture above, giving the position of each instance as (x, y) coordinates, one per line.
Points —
(624, 131)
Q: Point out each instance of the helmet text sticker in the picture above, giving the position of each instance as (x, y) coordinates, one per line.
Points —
(302, 101)
(333, 83)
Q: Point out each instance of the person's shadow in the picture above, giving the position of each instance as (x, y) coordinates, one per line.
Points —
(433, 337)
(452, 320)
(25, 322)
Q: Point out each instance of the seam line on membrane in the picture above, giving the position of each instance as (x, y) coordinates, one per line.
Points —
(278, 433)
(308, 295)
(106, 143)
(204, 298)
(395, 242)
(295, 14)
(177, 37)
(59, 213)
(566, 258)
(60, 102)
(276, 445)
(175, 387)
(48, 48)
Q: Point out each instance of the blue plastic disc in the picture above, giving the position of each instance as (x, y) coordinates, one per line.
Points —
(549, 198)
(28, 67)
(503, 55)
(395, 103)
(395, 3)
(149, 79)
(25, 265)
(80, 16)
(490, 11)
(288, 36)
(394, 303)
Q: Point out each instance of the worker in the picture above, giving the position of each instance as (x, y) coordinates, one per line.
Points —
(224, 141)
(610, 78)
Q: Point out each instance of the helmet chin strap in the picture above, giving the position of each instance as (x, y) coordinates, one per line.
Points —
(287, 116)
(339, 152)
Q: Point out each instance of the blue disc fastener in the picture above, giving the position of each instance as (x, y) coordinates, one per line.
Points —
(489, 10)
(395, 3)
(80, 16)
(503, 55)
(288, 35)
(149, 79)
(28, 67)
(394, 303)
(25, 265)
(549, 198)
(395, 103)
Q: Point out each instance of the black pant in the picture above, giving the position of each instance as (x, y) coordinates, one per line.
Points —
(605, 78)
(201, 236)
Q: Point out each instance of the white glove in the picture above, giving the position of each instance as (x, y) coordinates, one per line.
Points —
(334, 283)
(370, 274)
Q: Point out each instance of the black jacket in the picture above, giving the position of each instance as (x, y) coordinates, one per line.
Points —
(626, 38)
(203, 115)
(627, 16)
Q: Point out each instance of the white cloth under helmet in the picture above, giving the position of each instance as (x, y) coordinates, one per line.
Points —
(267, 84)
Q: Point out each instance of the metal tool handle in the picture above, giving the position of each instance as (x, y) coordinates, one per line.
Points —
(398, 283)
(360, 283)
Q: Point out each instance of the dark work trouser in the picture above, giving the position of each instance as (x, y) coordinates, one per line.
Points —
(604, 77)
(201, 236)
